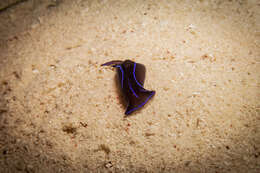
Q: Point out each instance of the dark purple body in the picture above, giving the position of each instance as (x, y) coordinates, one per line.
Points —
(131, 77)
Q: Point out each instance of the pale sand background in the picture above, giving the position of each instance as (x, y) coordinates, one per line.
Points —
(60, 111)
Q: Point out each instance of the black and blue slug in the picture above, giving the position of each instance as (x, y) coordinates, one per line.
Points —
(131, 78)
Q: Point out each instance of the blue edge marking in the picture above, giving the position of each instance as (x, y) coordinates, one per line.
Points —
(139, 106)
(122, 80)
(135, 77)
(142, 104)
(130, 86)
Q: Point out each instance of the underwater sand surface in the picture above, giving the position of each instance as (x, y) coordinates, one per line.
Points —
(61, 112)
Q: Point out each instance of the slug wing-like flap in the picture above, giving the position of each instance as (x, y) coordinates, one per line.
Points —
(112, 63)
(137, 102)
(139, 73)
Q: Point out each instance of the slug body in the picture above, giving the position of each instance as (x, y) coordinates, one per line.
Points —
(131, 77)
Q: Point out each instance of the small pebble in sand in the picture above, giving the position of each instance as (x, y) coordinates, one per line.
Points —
(35, 71)
(108, 164)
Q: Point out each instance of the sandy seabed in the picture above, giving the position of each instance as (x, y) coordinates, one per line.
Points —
(61, 112)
